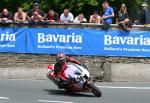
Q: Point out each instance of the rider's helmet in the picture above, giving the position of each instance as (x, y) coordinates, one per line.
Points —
(60, 58)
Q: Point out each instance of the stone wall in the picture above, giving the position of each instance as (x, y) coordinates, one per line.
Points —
(94, 63)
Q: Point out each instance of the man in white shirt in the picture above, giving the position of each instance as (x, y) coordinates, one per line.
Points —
(67, 16)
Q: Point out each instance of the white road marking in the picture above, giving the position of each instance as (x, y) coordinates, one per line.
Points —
(49, 101)
(4, 98)
(117, 87)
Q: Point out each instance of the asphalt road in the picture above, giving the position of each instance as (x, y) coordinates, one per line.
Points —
(44, 91)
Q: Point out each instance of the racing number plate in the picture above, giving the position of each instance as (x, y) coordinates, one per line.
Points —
(80, 79)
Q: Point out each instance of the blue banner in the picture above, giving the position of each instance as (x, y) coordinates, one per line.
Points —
(53, 40)
(13, 40)
(76, 41)
(132, 44)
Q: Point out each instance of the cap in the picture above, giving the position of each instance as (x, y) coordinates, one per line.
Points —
(36, 4)
(145, 5)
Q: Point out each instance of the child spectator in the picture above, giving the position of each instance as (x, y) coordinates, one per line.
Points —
(6, 16)
(95, 18)
(66, 16)
(20, 16)
(35, 9)
(52, 16)
(108, 13)
(36, 18)
(80, 19)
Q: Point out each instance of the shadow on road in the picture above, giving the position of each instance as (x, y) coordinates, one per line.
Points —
(63, 92)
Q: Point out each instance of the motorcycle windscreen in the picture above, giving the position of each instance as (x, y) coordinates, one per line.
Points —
(70, 71)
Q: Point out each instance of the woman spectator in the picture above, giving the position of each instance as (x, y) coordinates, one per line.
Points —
(95, 18)
(20, 16)
(122, 14)
(52, 16)
(80, 19)
(122, 19)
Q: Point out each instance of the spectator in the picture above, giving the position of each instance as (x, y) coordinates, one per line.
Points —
(108, 13)
(35, 9)
(20, 16)
(122, 19)
(6, 16)
(95, 18)
(36, 18)
(80, 19)
(145, 14)
(122, 14)
(52, 16)
(66, 16)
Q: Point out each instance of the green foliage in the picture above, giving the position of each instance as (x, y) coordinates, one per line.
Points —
(26, 6)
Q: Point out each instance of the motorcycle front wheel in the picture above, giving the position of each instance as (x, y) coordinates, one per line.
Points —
(95, 90)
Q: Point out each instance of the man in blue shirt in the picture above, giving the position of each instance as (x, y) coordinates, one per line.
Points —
(108, 13)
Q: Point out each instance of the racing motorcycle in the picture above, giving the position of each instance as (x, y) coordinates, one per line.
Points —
(79, 79)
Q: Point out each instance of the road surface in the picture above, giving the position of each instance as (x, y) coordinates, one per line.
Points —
(44, 91)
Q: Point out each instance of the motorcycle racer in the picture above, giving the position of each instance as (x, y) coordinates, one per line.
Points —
(61, 65)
